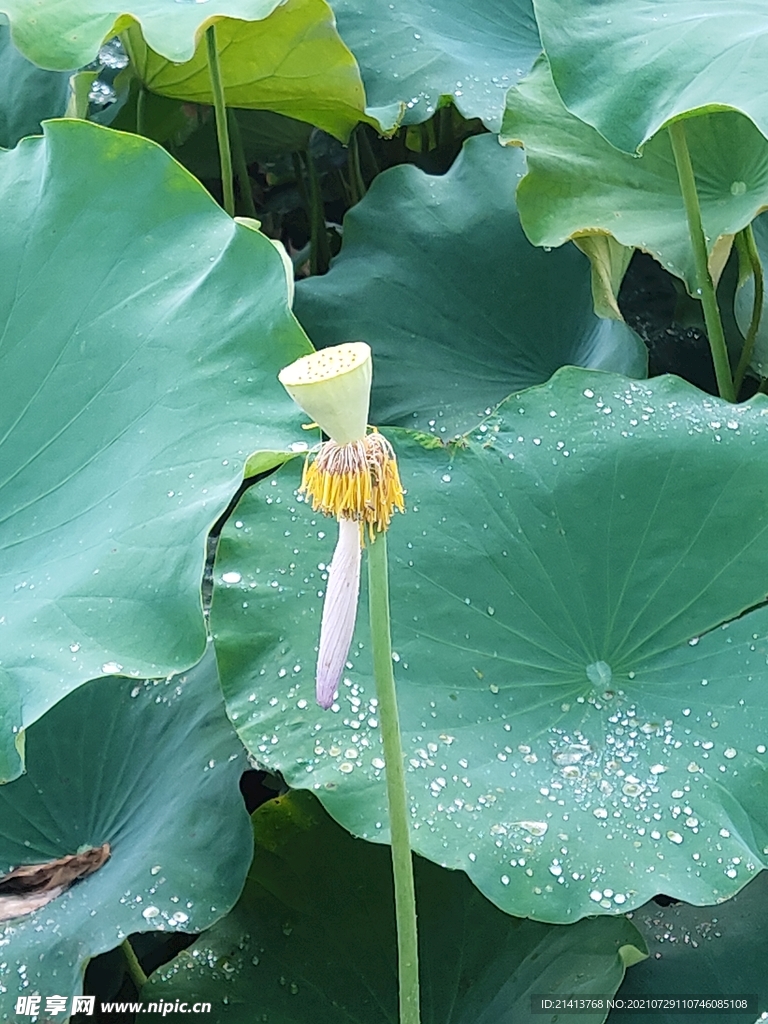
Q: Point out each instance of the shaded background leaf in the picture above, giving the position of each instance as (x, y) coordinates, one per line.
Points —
(460, 309)
(28, 94)
(166, 799)
(720, 951)
(312, 939)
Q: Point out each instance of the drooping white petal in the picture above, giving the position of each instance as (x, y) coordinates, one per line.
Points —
(339, 611)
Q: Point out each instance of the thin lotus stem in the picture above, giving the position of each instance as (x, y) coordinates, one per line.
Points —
(241, 166)
(366, 152)
(397, 797)
(320, 254)
(298, 172)
(356, 182)
(141, 107)
(135, 970)
(750, 246)
(706, 288)
(222, 131)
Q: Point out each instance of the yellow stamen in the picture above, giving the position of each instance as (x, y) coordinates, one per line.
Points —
(356, 481)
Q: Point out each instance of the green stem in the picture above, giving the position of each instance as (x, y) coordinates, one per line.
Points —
(356, 182)
(367, 155)
(298, 171)
(753, 256)
(320, 258)
(706, 289)
(222, 132)
(241, 166)
(141, 107)
(135, 970)
(397, 798)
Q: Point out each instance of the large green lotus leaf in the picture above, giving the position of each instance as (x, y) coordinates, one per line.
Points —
(721, 951)
(152, 769)
(27, 93)
(744, 300)
(628, 69)
(313, 939)
(292, 62)
(414, 56)
(143, 332)
(437, 275)
(66, 34)
(577, 184)
(580, 733)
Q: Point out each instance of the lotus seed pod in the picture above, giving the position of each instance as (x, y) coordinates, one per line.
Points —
(333, 387)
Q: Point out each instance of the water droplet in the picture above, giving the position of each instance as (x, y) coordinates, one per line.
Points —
(535, 828)
(231, 577)
(149, 912)
(599, 673)
(738, 188)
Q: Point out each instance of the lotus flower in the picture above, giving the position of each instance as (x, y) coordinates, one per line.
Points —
(352, 477)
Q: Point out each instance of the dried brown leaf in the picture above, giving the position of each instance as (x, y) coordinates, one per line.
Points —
(31, 886)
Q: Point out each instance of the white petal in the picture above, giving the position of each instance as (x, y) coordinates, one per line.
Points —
(339, 611)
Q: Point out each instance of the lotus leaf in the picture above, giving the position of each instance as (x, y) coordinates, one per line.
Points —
(421, 256)
(578, 184)
(585, 716)
(628, 69)
(162, 793)
(315, 895)
(143, 332)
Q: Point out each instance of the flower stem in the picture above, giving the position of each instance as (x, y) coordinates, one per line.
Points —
(320, 253)
(356, 181)
(241, 165)
(141, 106)
(222, 130)
(135, 970)
(402, 860)
(753, 256)
(706, 288)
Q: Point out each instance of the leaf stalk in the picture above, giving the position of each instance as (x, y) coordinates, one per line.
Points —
(222, 129)
(753, 256)
(706, 288)
(135, 970)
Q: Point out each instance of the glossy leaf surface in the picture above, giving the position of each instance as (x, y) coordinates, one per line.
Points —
(421, 256)
(65, 36)
(313, 939)
(143, 333)
(163, 793)
(292, 63)
(627, 69)
(580, 731)
(578, 184)
(414, 56)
